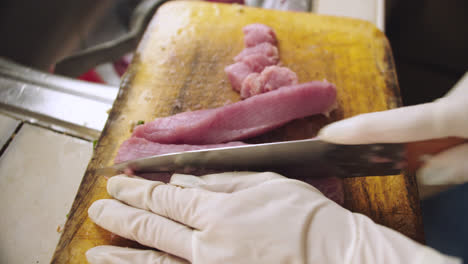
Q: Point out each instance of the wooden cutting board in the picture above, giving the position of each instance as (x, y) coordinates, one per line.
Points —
(179, 67)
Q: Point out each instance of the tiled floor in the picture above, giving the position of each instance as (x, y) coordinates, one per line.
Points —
(7, 127)
(40, 172)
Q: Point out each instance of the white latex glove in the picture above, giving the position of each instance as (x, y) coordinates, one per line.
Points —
(445, 117)
(243, 218)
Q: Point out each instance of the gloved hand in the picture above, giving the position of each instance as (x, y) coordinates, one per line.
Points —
(445, 117)
(242, 217)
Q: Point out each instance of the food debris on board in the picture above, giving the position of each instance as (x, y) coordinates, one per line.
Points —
(135, 124)
(272, 98)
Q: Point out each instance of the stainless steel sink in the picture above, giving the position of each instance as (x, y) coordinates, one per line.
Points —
(71, 106)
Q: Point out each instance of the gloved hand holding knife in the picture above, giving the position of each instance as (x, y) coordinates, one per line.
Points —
(445, 117)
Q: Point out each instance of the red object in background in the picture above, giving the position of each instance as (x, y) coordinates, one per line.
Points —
(91, 76)
(120, 66)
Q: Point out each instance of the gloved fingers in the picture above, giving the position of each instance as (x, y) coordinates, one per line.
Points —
(133, 188)
(182, 205)
(227, 182)
(447, 167)
(121, 255)
(439, 119)
(142, 226)
(460, 88)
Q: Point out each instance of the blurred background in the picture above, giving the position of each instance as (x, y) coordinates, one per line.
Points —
(428, 37)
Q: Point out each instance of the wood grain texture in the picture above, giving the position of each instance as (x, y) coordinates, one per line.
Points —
(179, 67)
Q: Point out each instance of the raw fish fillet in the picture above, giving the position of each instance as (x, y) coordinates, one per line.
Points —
(271, 78)
(244, 119)
(236, 74)
(135, 148)
(266, 49)
(255, 34)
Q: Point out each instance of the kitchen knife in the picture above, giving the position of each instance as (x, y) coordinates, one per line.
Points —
(309, 155)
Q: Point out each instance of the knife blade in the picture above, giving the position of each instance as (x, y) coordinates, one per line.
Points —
(309, 155)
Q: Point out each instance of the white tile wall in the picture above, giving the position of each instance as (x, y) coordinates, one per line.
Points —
(7, 127)
(40, 172)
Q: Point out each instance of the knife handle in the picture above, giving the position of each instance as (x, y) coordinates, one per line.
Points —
(417, 151)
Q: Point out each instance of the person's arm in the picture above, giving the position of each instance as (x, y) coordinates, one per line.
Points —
(243, 217)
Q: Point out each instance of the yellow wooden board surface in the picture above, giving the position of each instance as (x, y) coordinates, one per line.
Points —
(179, 67)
